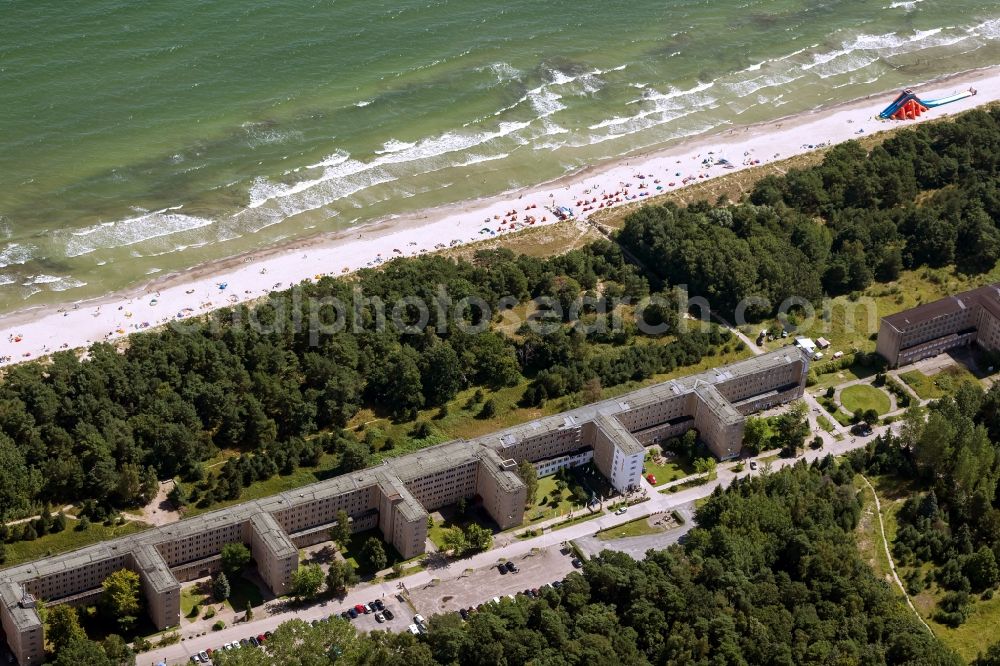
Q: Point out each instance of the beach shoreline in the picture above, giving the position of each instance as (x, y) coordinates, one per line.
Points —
(36, 331)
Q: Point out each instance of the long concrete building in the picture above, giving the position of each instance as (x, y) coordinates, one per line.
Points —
(936, 327)
(396, 495)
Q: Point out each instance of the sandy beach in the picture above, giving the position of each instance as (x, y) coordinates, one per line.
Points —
(37, 332)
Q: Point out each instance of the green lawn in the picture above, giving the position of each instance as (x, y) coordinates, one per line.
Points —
(671, 470)
(842, 376)
(191, 596)
(550, 502)
(864, 397)
(824, 423)
(945, 382)
(638, 527)
(70, 539)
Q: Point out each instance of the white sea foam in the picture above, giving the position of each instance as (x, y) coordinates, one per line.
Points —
(394, 146)
(866, 49)
(545, 102)
(53, 282)
(363, 103)
(342, 176)
(16, 254)
(6, 279)
(129, 231)
(503, 71)
(990, 29)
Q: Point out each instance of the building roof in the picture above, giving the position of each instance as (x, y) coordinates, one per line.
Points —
(987, 296)
(157, 573)
(24, 619)
(619, 435)
(721, 408)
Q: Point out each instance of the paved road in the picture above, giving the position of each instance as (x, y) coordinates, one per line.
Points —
(180, 653)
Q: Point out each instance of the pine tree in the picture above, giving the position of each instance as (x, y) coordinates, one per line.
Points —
(220, 587)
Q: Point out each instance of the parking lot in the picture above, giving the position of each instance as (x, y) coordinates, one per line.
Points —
(402, 616)
(481, 585)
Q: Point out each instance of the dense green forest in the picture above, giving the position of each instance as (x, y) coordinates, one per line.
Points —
(926, 196)
(100, 431)
(771, 575)
(949, 529)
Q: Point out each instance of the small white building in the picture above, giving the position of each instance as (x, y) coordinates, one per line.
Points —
(806, 345)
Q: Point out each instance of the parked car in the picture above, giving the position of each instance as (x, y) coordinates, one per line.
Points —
(195, 659)
(267, 634)
(352, 613)
(253, 641)
(261, 637)
(464, 613)
(378, 617)
(621, 511)
(372, 606)
(419, 619)
(345, 615)
(244, 642)
(414, 630)
(360, 608)
(502, 568)
(577, 563)
(511, 567)
(557, 584)
(379, 605)
(388, 614)
(753, 464)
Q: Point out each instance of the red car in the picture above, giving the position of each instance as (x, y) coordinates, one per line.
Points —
(361, 609)
(651, 479)
(261, 639)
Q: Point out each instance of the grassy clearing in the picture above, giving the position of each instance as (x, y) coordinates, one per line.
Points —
(938, 385)
(851, 322)
(864, 397)
(869, 537)
(547, 241)
(976, 633)
(638, 527)
(70, 539)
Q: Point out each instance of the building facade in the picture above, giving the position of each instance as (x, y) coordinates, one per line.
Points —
(933, 328)
(396, 495)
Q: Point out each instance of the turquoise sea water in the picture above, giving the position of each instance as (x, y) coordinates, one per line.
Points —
(142, 138)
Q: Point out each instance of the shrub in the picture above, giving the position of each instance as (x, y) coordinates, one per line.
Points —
(218, 626)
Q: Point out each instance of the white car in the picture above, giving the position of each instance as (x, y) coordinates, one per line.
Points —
(414, 630)
(419, 619)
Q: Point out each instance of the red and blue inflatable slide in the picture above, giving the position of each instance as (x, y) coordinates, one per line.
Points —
(908, 106)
